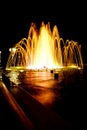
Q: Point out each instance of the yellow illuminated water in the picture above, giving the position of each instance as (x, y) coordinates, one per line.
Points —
(44, 49)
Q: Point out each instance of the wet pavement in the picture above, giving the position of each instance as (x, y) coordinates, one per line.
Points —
(42, 102)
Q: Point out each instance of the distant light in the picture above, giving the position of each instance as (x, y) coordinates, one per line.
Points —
(12, 49)
(9, 49)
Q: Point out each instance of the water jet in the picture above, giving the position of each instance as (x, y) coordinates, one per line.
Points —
(44, 49)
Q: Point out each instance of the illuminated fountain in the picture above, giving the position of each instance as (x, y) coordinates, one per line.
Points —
(44, 49)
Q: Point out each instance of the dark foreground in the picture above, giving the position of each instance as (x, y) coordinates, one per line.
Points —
(22, 107)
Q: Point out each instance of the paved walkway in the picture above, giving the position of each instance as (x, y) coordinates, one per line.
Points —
(27, 112)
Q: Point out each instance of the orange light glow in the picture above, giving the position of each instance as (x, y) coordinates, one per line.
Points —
(44, 49)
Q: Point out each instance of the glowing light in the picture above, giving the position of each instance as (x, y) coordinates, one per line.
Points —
(13, 76)
(44, 49)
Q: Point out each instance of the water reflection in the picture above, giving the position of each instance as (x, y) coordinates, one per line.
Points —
(65, 95)
(42, 85)
(13, 77)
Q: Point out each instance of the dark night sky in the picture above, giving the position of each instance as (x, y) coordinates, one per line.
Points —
(70, 18)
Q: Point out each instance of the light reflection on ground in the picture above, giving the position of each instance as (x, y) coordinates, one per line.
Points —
(42, 85)
(65, 95)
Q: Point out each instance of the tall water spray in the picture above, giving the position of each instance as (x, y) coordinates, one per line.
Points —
(44, 49)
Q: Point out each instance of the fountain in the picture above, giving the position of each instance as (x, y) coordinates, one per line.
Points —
(44, 49)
